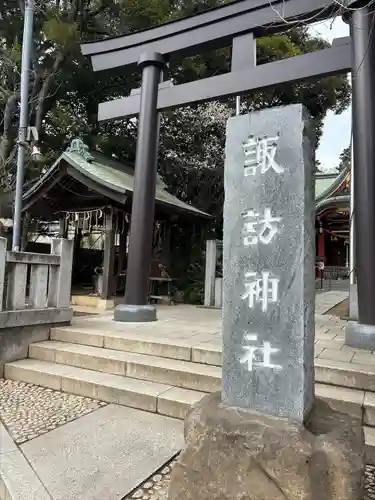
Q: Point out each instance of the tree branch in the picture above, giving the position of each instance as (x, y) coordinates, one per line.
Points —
(43, 93)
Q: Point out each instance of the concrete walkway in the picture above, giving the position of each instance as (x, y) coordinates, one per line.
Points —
(112, 452)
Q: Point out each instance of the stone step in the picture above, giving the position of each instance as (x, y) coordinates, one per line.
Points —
(164, 399)
(126, 391)
(141, 343)
(334, 372)
(184, 374)
(370, 445)
(345, 374)
(355, 402)
(192, 376)
(346, 400)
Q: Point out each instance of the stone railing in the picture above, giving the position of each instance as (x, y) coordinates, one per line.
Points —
(35, 288)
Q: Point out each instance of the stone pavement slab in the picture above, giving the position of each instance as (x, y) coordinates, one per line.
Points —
(104, 455)
(18, 481)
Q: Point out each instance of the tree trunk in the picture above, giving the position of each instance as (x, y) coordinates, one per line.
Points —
(43, 94)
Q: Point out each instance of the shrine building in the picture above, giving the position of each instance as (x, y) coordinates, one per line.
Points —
(87, 196)
(332, 193)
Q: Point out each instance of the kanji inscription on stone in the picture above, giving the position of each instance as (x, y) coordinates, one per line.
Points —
(268, 265)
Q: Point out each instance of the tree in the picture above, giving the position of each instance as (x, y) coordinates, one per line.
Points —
(64, 92)
(345, 159)
(192, 139)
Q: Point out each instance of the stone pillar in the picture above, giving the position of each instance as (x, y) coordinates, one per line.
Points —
(269, 258)
(210, 274)
(266, 436)
(219, 292)
(60, 277)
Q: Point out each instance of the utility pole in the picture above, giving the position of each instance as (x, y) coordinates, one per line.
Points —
(25, 70)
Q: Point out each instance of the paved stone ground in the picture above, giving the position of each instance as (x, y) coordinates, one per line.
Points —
(340, 310)
(104, 455)
(28, 411)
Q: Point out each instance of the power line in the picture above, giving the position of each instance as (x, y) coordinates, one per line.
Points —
(307, 21)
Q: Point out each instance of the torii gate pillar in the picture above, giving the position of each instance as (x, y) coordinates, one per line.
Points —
(361, 334)
(136, 307)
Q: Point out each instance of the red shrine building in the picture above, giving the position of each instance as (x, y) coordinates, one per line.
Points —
(332, 194)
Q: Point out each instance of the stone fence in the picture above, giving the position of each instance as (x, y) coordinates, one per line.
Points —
(35, 288)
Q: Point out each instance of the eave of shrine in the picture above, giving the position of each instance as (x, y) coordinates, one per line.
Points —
(329, 191)
(83, 179)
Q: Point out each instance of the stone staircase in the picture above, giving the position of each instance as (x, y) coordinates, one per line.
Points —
(166, 376)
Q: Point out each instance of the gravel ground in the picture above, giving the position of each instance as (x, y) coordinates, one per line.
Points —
(28, 411)
(370, 483)
(156, 487)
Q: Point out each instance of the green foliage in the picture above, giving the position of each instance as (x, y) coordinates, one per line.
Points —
(62, 33)
(345, 159)
(14, 54)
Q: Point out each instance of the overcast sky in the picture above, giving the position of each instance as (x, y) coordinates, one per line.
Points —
(337, 128)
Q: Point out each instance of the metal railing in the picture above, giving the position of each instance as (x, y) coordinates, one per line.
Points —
(332, 278)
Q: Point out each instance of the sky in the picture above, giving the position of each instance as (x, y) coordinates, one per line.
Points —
(337, 128)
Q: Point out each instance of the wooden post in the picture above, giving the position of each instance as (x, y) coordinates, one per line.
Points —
(63, 227)
(109, 254)
(122, 248)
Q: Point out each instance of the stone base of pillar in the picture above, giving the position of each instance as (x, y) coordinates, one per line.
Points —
(360, 336)
(233, 454)
(353, 302)
(135, 314)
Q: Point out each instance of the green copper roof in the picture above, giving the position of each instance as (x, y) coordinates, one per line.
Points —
(327, 184)
(119, 178)
(109, 173)
(323, 183)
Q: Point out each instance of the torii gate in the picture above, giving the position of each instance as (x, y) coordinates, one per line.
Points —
(240, 24)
